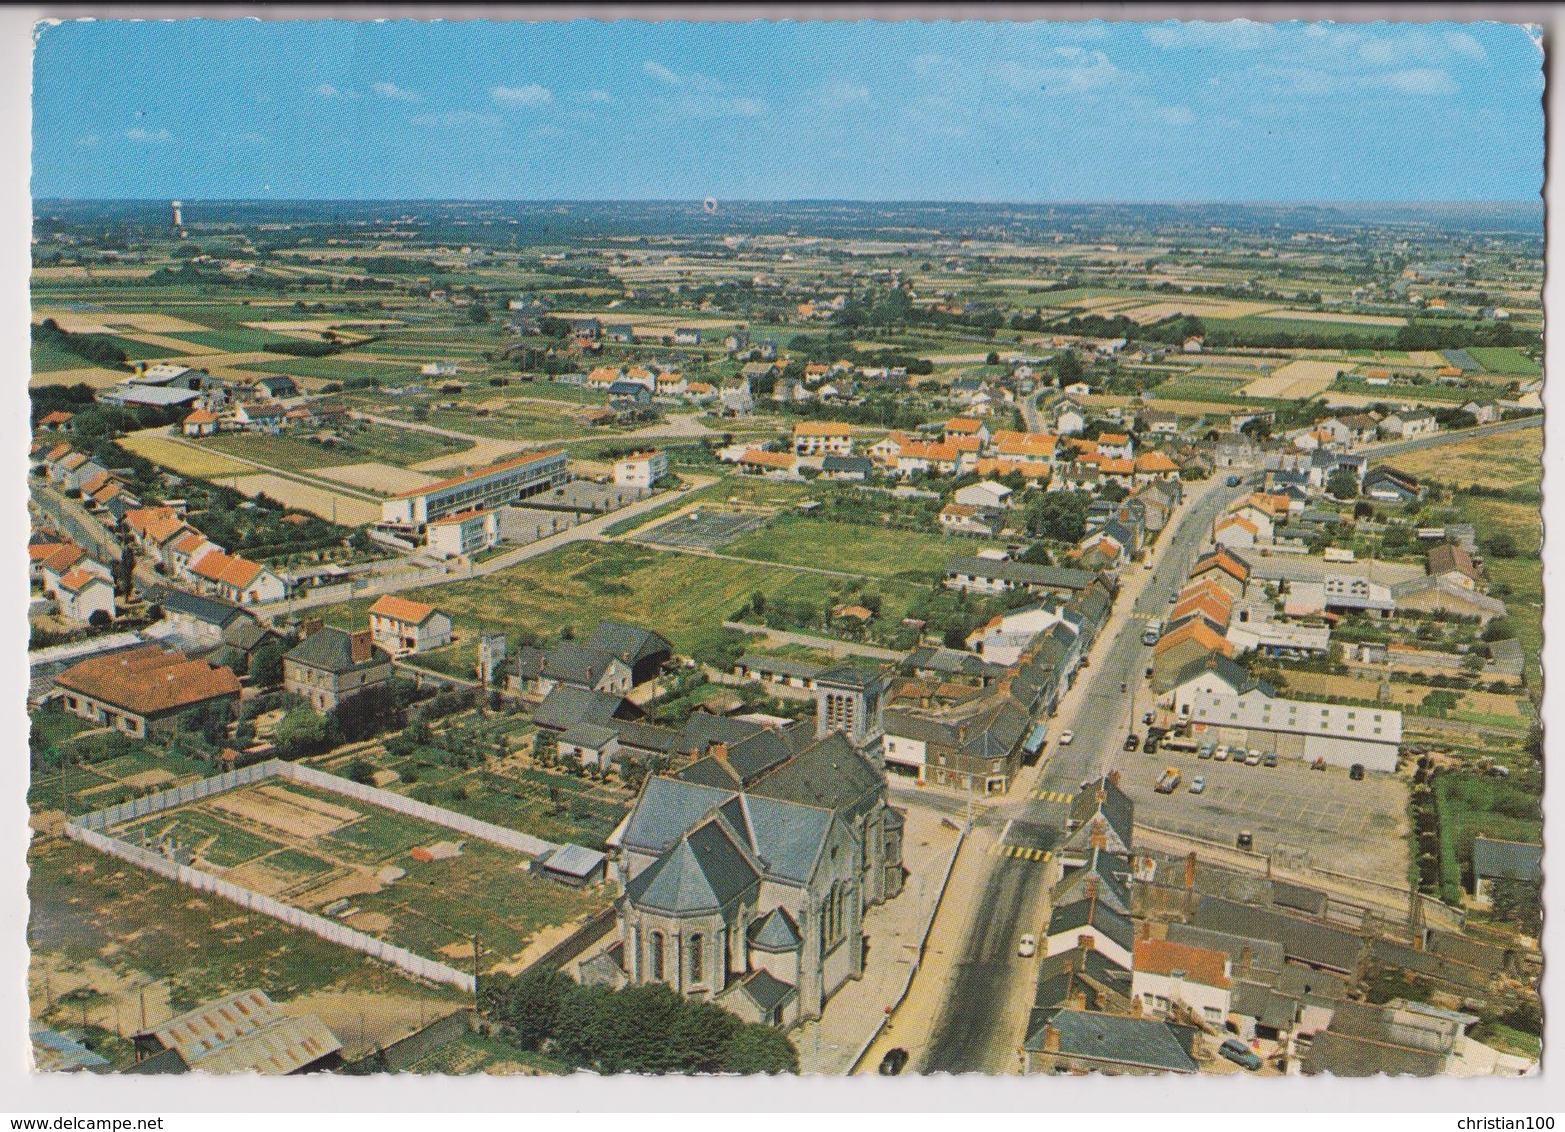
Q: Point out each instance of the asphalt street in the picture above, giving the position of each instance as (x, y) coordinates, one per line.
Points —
(975, 1034)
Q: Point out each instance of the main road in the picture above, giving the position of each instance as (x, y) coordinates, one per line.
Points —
(977, 1028)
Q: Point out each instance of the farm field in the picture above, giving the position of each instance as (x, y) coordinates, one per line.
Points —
(1298, 380)
(1338, 317)
(1189, 388)
(382, 478)
(852, 547)
(1505, 360)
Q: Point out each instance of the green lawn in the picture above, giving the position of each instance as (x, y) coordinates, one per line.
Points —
(1220, 389)
(238, 340)
(330, 369)
(852, 547)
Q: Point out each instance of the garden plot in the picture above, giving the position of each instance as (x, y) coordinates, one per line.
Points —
(1201, 308)
(382, 478)
(1337, 316)
(704, 530)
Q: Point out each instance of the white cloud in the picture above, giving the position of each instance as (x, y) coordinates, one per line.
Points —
(1416, 80)
(393, 91)
(88, 140)
(451, 119)
(1236, 35)
(1462, 43)
(841, 92)
(137, 134)
(326, 90)
(594, 96)
(1173, 115)
(661, 73)
(530, 95)
(1066, 70)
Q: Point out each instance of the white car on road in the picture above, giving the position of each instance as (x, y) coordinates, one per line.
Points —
(1028, 947)
(1066, 737)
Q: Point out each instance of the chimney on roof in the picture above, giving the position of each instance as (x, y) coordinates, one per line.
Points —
(718, 751)
(1113, 777)
(1100, 840)
(1051, 1039)
(311, 626)
(359, 647)
(1136, 1006)
(1078, 1000)
(1245, 956)
(1146, 929)
(1084, 943)
(1190, 871)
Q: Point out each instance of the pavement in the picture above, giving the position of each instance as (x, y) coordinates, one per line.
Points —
(895, 932)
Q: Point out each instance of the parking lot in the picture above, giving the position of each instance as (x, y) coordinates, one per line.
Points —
(704, 529)
(1301, 816)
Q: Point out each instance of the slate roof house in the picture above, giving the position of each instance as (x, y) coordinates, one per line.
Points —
(332, 665)
(1070, 1041)
(1503, 861)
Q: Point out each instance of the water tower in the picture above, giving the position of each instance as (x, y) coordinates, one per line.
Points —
(178, 208)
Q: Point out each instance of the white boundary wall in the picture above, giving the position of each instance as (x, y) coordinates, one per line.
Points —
(92, 829)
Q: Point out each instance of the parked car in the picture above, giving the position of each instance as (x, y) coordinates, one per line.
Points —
(1252, 757)
(1207, 751)
(1270, 759)
(1132, 741)
(1028, 947)
(1066, 737)
(1240, 1054)
(1356, 772)
(1169, 781)
(1198, 784)
(1221, 754)
(1150, 746)
(1148, 717)
(894, 1062)
(1233, 481)
(1245, 840)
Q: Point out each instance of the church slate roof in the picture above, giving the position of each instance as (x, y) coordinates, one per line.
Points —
(830, 774)
(766, 990)
(776, 931)
(705, 872)
(666, 809)
(567, 706)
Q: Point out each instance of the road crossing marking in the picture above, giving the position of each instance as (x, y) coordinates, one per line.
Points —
(1052, 796)
(1020, 852)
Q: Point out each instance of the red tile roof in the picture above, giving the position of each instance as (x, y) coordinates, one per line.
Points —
(147, 681)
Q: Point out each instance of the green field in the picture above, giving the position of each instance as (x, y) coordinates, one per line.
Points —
(359, 445)
(48, 359)
(1432, 391)
(684, 597)
(1253, 327)
(1505, 360)
(238, 340)
(331, 369)
(852, 547)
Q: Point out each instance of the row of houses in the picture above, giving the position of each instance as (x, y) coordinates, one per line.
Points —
(81, 588)
(168, 539)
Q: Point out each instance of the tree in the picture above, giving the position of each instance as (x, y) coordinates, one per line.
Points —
(1342, 484)
(1520, 903)
(362, 771)
(1501, 544)
(266, 666)
(477, 314)
(125, 570)
(304, 731)
(100, 619)
(760, 1049)
(526, 1007)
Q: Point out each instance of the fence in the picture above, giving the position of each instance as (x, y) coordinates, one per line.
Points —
(421, 1043)
(92, 830)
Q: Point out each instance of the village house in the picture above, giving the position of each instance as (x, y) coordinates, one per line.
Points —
(238, 579)
(641, 469)
(141, 690)
(402, 626)
(1169, 977)
(331, 665)
(464, 534)
(822, 438)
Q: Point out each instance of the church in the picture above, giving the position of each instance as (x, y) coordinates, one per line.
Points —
(747, 874)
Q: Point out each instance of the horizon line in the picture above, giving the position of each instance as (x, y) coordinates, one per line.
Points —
(1251, 202)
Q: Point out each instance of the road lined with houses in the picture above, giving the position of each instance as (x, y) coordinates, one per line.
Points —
(976, 1027)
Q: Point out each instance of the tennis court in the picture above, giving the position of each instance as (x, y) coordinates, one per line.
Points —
(704, 529)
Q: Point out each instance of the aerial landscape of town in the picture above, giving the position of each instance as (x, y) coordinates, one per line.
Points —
(796, 636)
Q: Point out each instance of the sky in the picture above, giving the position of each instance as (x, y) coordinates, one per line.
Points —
(1040, 112)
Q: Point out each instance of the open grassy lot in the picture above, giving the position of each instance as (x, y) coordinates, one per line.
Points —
(1471, 805)
(1191, 388)
(852, 547)
(684, 597)
(1512, 460)
(328, 369)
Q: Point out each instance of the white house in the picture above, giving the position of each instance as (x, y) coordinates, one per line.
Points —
(81, 593)
(641, 469)
(402, 626)
(822, 438)
(1406, 426)
(1168, 975)
(986, 496)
